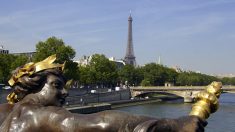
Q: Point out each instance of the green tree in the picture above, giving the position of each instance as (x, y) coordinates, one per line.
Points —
(127, 73)
(228, 80)
(63, 53)
(71, 70)
(19, 61)
(9, 63)
(52, 46)
(157, 75)
(85, 76)
(145, 82)
(103, 70)
(154, 73)
(171, 75)
(195, 79)
(131, 74)
(5, 64)
(139, 76)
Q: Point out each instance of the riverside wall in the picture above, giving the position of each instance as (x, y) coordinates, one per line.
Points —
(87, 98)
(84, 96)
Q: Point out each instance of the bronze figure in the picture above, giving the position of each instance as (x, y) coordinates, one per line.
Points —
(35, 105)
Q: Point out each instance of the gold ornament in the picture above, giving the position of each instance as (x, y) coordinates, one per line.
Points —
(207, 101)
(12, 98)
(31, 68)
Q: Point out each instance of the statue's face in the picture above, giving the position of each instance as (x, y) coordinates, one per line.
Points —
(53, 92)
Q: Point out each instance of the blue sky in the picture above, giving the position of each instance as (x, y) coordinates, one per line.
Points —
(196, 35)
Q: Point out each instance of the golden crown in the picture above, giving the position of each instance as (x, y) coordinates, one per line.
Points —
(31, 68)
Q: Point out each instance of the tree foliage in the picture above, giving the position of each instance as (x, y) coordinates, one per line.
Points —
(71, 70)
(195, 79)
(19, 61)
(228, 80)
(128, 73)
(100, 72)
(63, 53)
(9, 63)
(145, 82)
(52, 46)
(5, 65)
(157, 75)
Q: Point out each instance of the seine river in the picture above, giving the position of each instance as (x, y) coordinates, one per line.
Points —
(221, 121)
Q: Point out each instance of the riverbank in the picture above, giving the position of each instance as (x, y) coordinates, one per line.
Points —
(126, 103)
(97, 107)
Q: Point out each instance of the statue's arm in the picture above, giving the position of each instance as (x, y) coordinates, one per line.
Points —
(59, 119)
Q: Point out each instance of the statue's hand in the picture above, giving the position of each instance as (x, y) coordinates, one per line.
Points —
(191, 124)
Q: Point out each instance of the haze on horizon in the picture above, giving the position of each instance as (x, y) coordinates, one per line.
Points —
(195, 35)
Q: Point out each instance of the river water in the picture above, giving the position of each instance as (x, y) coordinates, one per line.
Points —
(221, 121)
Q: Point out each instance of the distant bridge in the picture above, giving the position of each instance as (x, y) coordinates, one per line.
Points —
(186, 92)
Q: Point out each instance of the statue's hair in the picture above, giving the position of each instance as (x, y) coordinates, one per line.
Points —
(33, 83)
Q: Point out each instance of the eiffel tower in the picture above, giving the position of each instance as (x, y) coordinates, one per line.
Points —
(130, 57)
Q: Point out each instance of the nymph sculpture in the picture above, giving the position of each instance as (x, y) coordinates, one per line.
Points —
(39, 92)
